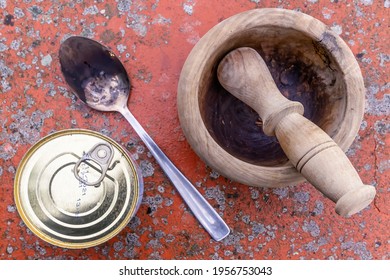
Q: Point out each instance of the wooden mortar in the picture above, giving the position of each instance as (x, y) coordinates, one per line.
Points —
(308, 62)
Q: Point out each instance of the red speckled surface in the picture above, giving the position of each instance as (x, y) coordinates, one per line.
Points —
(153, 39)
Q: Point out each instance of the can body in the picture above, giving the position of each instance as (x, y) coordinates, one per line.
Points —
(55, 200)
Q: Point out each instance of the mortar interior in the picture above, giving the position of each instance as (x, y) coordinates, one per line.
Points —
(303, 70)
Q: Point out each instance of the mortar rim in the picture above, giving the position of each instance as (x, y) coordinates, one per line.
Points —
(190, 118)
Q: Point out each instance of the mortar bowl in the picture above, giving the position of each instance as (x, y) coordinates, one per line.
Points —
(309, 63)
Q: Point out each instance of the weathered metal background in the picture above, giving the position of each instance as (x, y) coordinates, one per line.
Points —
(153, 39)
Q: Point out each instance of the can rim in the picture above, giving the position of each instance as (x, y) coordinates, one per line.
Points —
(54, 241)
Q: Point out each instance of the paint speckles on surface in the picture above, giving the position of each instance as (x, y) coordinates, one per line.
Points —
(327, 13)
(18, 13)
(26, 128)
(3, 4)
(132, 243)
(382, 127)
(384, 166)
(121, 48)
(318, 208)
(268, 232)
(188, 7)
(92, 10)
(138, 23)
(124, 5)
(190, 29)
(7, 151)
(367, 2)
(3, 47)
(9, 20)
(153, 39)
(139, 17)
(217, 196)
(302, 197)
(146, 168)
(46, 60)
(338, 29)
(6, 73)
(35, 11)
(15, 44)
(375, 105)
(384, 59)
(312, 228)
(281, 192)
(358, 248)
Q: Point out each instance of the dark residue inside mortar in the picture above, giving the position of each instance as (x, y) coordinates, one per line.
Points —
(307, 78)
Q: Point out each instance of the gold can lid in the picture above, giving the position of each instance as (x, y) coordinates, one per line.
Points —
(77, 188)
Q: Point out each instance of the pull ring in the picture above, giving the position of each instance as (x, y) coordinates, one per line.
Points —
(101, 154)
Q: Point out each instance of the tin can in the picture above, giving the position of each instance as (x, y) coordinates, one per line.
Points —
(77, 188)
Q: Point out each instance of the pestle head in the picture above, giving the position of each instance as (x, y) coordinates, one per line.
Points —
(245, 75)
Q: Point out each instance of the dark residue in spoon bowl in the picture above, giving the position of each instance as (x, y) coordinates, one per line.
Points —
(94, 73)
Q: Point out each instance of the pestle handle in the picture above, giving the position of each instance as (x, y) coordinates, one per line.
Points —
(314, 154)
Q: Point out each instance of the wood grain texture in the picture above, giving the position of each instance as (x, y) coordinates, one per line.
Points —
(290, 42)
(313, 153)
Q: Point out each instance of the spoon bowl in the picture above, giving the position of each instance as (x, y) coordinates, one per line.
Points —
(94, 73)
(98, 78)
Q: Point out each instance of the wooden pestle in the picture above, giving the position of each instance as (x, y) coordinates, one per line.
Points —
(314, 154)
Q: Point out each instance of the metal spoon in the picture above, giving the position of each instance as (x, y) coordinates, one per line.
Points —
(99, 79)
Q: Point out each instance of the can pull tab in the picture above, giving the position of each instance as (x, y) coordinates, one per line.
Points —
(101, 154)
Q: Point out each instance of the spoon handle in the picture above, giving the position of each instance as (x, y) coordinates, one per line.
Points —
(202, 210)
